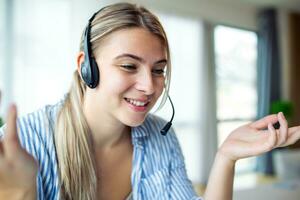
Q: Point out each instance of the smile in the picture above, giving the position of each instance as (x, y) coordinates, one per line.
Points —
(137, 102)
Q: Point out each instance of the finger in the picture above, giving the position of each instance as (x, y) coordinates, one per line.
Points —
(295, 129)
(265, 142)
(293, 136)
(272, 139)
(263, 123)
(283, 130)
(11, 141)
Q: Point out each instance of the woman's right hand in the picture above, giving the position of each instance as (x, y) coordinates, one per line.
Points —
(18, 169)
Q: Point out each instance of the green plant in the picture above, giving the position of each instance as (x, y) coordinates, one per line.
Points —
(282, 106)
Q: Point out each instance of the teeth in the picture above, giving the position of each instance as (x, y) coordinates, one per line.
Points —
(136, 103)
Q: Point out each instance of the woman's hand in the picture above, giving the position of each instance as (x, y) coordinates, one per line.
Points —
(18, 169)
(252, 139)
(248, 140)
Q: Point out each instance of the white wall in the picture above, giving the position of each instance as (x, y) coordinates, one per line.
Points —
(215, 11)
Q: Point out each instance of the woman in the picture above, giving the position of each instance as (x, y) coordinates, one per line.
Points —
(99, 142)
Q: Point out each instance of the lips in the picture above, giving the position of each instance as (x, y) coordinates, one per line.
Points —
(138, 103)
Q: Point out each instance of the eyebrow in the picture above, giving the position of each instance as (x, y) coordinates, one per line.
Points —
(138, 58)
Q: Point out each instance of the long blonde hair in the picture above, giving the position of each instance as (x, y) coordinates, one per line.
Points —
(73, 141)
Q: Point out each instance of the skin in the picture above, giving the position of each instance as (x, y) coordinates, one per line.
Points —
(248, 140)
(131, 70)
(111, 129)
(18, 169)
(118, 82)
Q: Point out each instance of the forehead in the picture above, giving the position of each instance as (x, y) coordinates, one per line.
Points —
(137, 41)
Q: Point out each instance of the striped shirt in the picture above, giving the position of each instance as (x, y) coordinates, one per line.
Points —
(158, 169)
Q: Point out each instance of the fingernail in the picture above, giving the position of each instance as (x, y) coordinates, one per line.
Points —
(282, 115)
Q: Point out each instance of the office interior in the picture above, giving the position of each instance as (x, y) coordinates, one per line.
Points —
(233, 61)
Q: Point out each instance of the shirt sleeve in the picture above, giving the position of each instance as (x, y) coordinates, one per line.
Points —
(31, 137)
(181, 186)
(35, 140)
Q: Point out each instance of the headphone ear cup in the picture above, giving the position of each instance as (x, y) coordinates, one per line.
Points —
(94, 73)
(90, 73)
(85, 73)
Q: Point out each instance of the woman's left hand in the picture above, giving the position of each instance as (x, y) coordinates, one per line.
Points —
(252, 139)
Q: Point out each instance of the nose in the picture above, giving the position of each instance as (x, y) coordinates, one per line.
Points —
(145, 82)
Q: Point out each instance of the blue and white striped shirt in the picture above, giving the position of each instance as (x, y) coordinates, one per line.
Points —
(158, 169)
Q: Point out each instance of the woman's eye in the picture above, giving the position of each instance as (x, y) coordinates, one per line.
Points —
(158, 71)
(128, 67)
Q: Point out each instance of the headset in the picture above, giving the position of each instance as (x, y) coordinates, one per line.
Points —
(90, 71)
(89, 68)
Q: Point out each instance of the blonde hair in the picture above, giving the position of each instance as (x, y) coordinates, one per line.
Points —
(72, 139)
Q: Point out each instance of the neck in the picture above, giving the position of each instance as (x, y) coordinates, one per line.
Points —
(106, 131)
(108, 135)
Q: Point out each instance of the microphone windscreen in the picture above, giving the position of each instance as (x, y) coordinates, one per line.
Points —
(166, 128)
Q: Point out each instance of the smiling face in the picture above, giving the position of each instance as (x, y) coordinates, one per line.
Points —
(132, 64)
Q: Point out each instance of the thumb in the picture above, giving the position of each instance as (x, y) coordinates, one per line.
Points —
(11, 142)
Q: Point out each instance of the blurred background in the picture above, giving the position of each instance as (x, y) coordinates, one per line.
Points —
(233, 61)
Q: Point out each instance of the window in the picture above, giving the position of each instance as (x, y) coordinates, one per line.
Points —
(3, 53)
(235, 58)
(2, 35)
(41, 53)
(185, 46)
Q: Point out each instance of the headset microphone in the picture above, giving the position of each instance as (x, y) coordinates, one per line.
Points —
(166, 128)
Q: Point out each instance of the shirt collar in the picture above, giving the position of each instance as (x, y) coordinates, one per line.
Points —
(139, 131)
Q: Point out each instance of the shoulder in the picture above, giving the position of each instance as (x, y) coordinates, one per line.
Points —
(38, 124)
(36, 130)
(36, 135)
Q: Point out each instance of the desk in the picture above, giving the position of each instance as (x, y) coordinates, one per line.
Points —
(260, 187)
(286, 190)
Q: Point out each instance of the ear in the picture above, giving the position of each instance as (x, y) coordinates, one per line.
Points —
(80, 60)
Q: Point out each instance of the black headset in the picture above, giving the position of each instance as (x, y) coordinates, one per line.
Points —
(89, 67)
(90, 71)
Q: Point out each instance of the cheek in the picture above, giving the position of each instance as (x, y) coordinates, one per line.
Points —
(159, 88)
(161, 85)
(115, 84)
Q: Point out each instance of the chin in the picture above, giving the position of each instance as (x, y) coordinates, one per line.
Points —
(133, 121)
